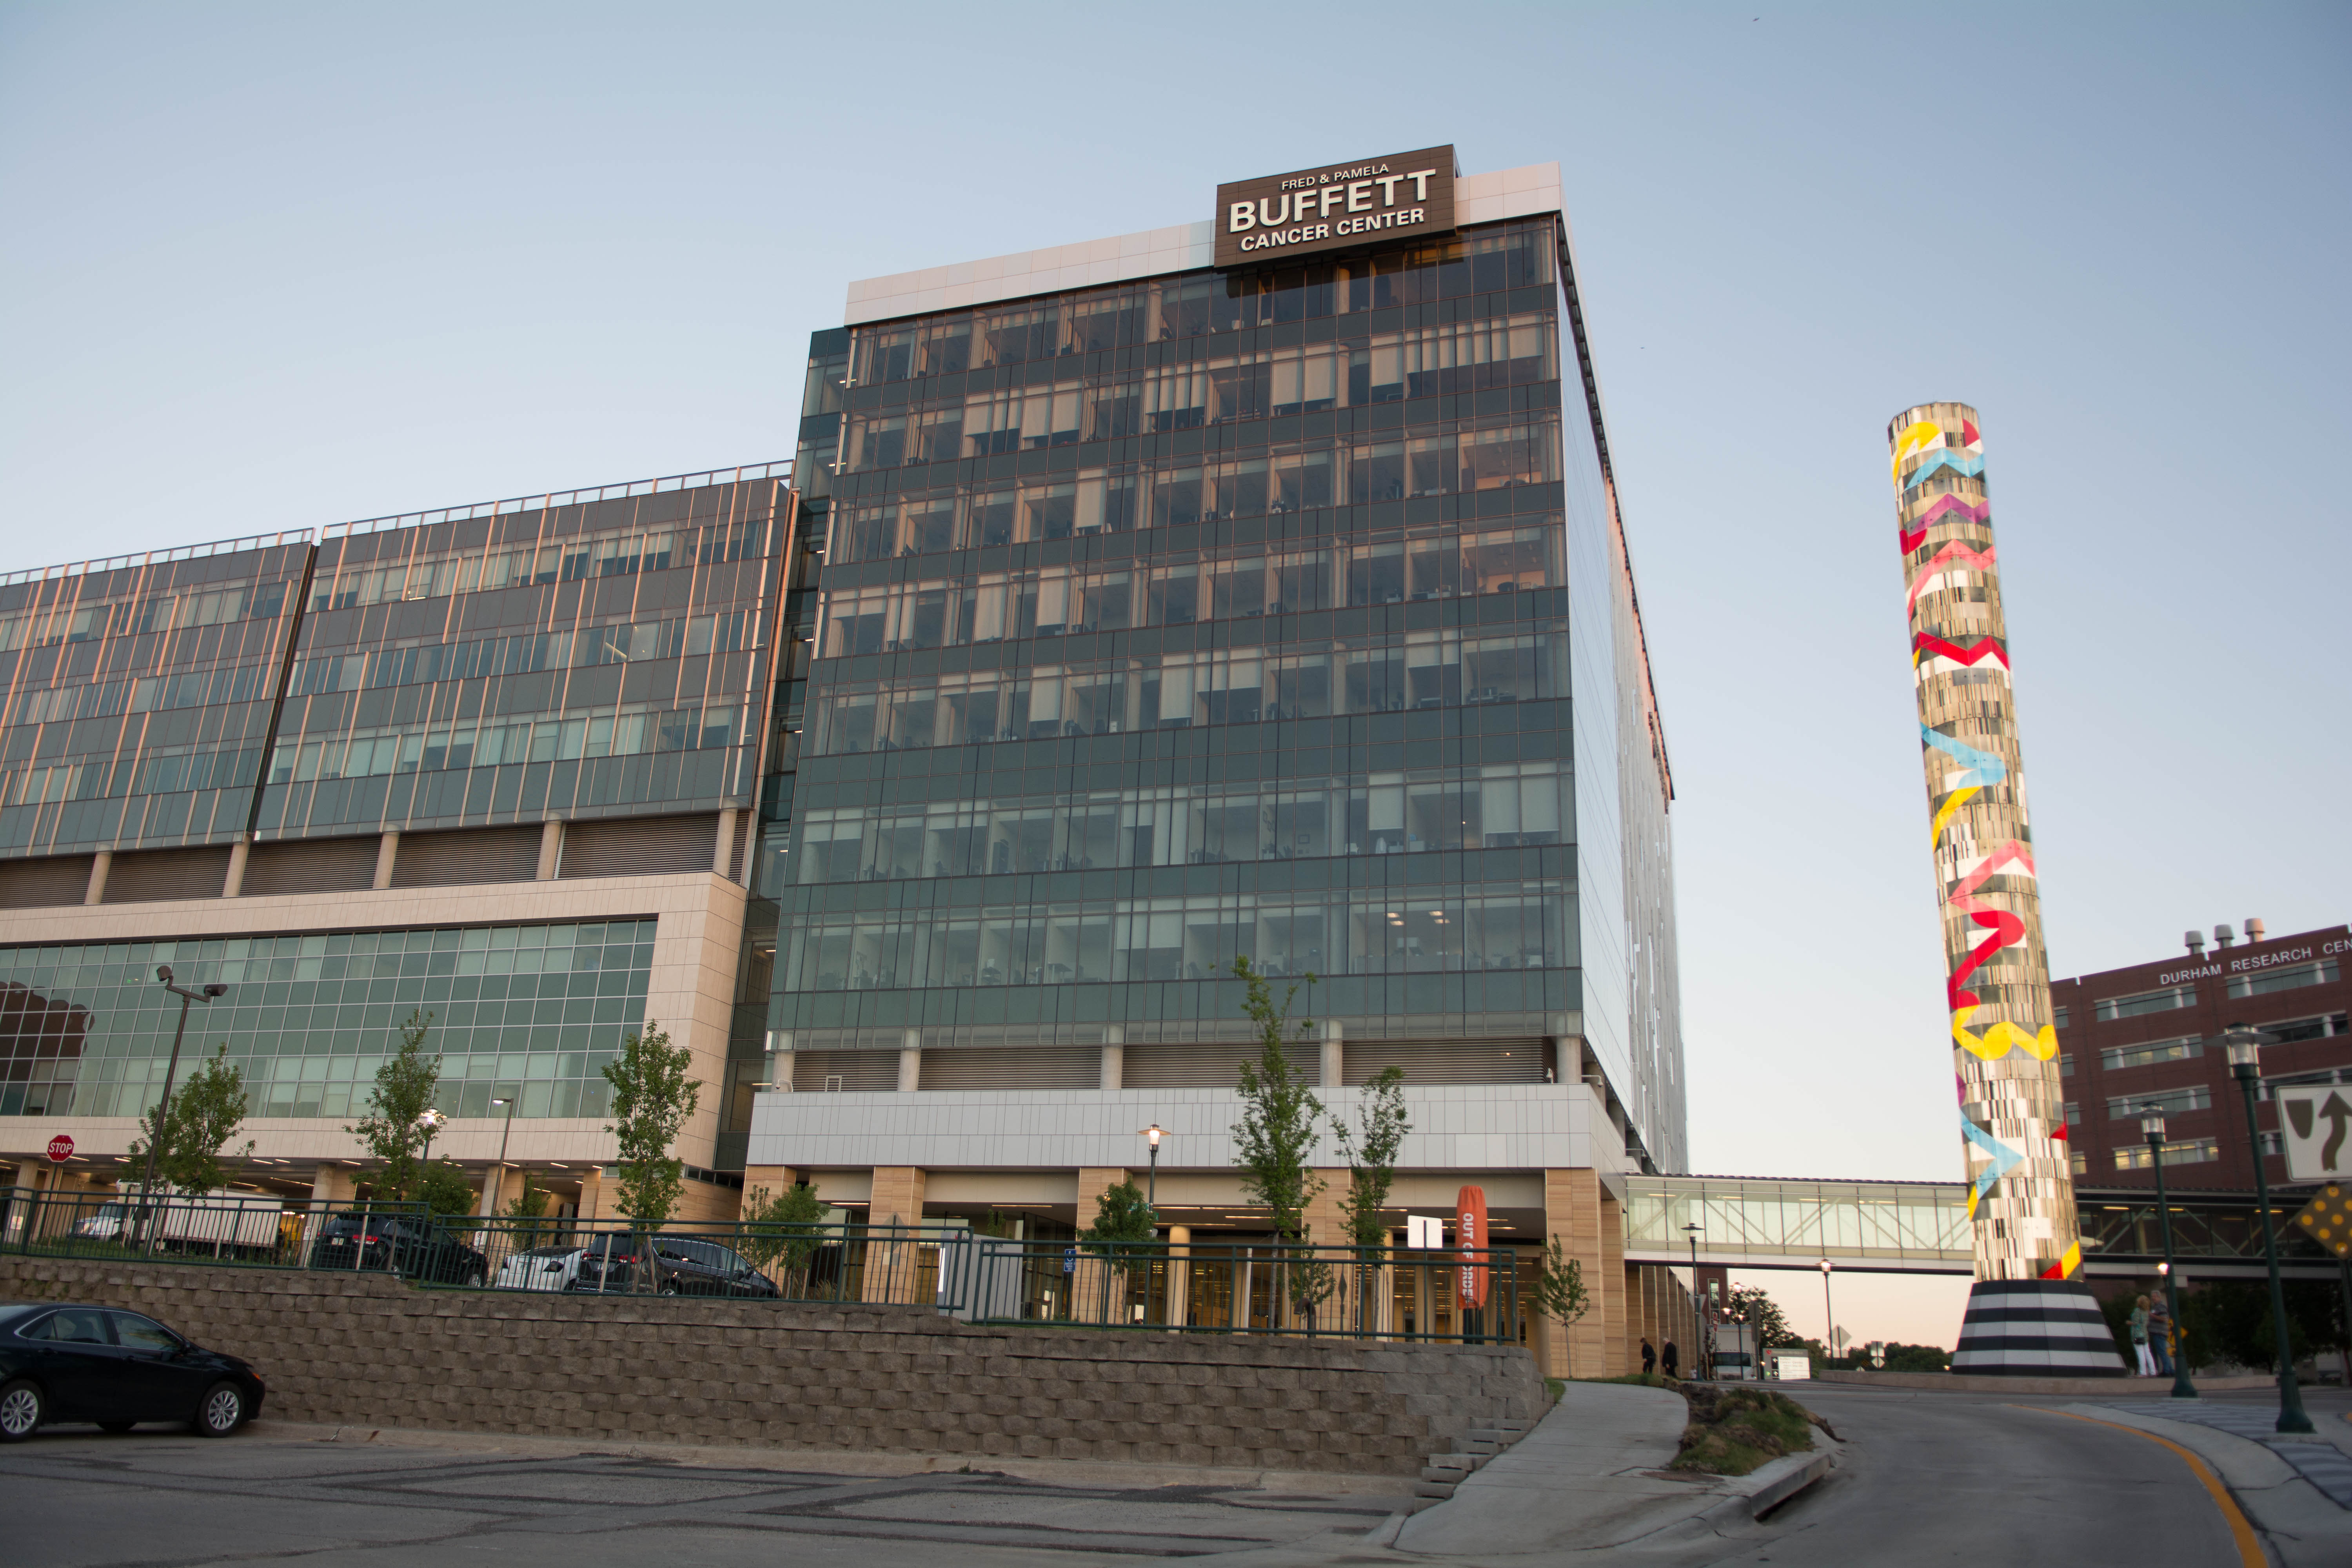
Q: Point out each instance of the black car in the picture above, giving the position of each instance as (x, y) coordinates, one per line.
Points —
(683, 1265)
(404, 1244)
(79, 1363)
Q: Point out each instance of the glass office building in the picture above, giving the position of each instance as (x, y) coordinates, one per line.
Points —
(1279, 612)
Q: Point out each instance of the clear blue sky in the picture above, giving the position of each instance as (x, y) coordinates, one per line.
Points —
(270, 267)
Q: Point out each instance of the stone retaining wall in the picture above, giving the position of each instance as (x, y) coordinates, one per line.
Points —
(360, 1349)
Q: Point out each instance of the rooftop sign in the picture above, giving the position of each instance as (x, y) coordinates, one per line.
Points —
(1336, 206)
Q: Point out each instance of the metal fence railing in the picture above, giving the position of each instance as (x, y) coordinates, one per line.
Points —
(1454, 1296)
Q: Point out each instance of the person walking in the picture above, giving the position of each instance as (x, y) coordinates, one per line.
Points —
(1670, 1358)
(2159, 1334)
(1649, 1357)
(2139, 1338)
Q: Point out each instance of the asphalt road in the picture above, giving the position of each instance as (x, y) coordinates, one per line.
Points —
(1928, 1478)
(1955, 1478)
(72, 1498)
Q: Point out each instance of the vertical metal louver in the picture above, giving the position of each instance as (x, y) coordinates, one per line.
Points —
(1206, 1065)
(51, 880)
(1502, 1060)
(477, 854)
(816, 1071)
(639, 846)
(312, 866)
(155, 876)
(1013, 1067)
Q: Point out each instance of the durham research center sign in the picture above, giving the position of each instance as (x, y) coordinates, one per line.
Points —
(1335, 207)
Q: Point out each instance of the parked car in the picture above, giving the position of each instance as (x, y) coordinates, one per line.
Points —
(75, 1362)
(541, 1268)
(682, 1266)
(403, 1245)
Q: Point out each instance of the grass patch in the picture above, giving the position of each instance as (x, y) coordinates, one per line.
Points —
(1733, 1430)
(1555, 1386)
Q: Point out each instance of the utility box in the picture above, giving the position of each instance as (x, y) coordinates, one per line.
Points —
(1792, 1366)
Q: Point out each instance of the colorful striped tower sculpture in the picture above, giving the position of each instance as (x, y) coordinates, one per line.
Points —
(2030, 1311)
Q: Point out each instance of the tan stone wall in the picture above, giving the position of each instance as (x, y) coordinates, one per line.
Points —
(367, 1350)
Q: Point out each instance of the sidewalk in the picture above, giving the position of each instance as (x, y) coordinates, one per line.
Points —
(1591, 1475)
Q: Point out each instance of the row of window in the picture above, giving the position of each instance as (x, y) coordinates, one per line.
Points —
(1227, 685)
(1160, 309)
(573, 558)
(993, 605)
(2186, 1151)
(1499, 806)
(1390, 367)
(480, 657)
(625, 730)
(1179, 939)
(146, 694)
(75, 623)
(1497, 454)
(160, 771)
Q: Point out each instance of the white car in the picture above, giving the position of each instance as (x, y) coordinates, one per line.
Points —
(541, 1268)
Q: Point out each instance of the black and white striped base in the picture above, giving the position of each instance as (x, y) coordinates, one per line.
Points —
(2036, 1328)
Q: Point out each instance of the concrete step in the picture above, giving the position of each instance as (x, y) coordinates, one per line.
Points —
(1465, 1462)
(1439, 1491)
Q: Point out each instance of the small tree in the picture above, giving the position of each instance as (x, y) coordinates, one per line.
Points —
(531, 1203)
(191, 1133)
(652, 1098)
(782, 1227)
(1124, 1226)
(1275, 1137)
(1371, 1152)
(444, 1191)
(403, 1093)
(1559, 1286)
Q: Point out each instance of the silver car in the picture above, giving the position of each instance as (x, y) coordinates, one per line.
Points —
(541, 1268)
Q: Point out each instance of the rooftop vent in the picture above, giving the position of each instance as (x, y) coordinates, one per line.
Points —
(2223, 936)
(2196, 941)
(2254, 927)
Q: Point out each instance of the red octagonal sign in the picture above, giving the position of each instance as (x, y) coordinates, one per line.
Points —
(61, 1149)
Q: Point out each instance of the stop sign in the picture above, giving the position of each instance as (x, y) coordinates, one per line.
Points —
(61, 1149)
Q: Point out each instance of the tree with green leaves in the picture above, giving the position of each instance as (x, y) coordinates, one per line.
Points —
(444, 1191)
(1370, 1149)
(782, 1227)
(191, 1135)
(1123, 1229)
(1754, 1306)
(653, 1099)
(531, 1203)
(404, 1087)
(1560, 1292)
(1275, 1140)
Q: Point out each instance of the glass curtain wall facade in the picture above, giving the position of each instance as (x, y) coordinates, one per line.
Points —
(139, 695)
(1211, 616)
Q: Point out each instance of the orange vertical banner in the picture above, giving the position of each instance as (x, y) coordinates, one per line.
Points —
(1470, 1237)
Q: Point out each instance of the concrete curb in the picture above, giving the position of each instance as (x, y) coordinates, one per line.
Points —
(1760, 1490)
(2302, 1526)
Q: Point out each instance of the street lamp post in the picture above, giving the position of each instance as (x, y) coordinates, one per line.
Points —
(171, 1073)
(2245, 1045)
(1828, 1332)
(490, 1194)
(1151, 1135)
(431, 1121)
(1692, 1230)
(2153, 1125)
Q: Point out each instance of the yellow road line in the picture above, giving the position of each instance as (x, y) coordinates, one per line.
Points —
(2250, 1546)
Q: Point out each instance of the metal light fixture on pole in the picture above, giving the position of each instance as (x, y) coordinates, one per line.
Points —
(1151, 1135)
(494, 1187)
(2153, 1125)
(1698, 1342)
(2245, 1045)
(163, 1106)
(1829, 1333)
(431, 1121)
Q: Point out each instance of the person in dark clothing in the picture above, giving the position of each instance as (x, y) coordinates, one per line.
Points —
(1649, 1358)
(1671, 1357)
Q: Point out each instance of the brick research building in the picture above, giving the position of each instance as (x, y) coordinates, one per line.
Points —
(2147, 1037)
(1151, 607)
(1188, 596)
